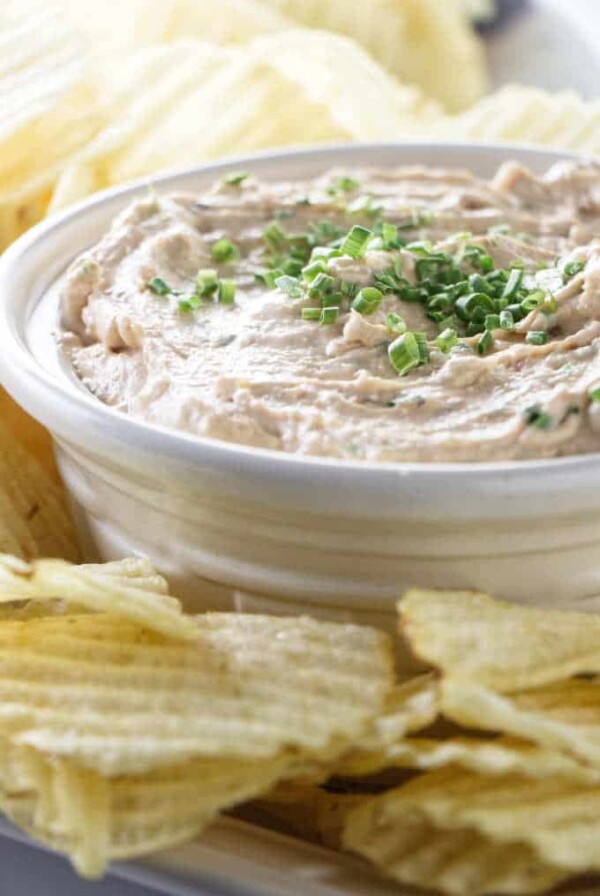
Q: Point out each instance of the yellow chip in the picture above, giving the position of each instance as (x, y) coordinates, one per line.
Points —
(130, 588)
(505, 647)
(530, 115)
(564, 716)
(411, 707)
(487, 756)
(94, 819)
(34, 520)
(425, 42)
(463, 833)
(249, 687)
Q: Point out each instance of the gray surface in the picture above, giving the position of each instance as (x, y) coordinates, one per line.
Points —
(27, 871)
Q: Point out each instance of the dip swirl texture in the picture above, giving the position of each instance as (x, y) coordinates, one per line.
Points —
(396, 315)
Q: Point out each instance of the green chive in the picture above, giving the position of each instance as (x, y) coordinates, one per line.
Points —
(313, 269)
(513, 284)
(274, 237)
(320, 285)
(311, 314)
(235, 178)
(571, 269)
(226, 292)
(395, 323)
(192, 303)
(356, 241)
(368, 300)
(343, 184)
(291, 286)
(447, 339)
(329, 315)
(159, 287)
(535, 416)
(537, 337)
(507, 321)
(533, 300)
(224, 250)
(206, 282)
(485, 343)
(594, 395)
(423, 347)
(404, 353)
(492, 322)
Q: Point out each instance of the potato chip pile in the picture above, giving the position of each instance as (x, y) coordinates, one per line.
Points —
(127, 725)
(95, 92)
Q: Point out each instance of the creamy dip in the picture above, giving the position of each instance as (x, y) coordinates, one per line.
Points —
(389, 315)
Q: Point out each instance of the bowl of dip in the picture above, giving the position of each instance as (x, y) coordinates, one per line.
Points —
(307, 380)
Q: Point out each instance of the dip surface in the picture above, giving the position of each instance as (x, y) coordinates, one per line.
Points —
(397, 315)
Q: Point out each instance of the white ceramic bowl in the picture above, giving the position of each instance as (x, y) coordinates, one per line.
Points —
(271, 531)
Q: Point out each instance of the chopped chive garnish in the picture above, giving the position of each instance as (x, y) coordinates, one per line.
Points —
(507, 321)
(226, 292)
(535, 416)
(312, 270)
(513, 284)
(595, 395)
(537, 337)
(404, 353)
(311, 314)
(447, 339)
(356, 241)
(367, 300)
(206, 282)
(192, 303)
(235, 178)
(343, 184)
(329, 315)
(485, 343)
(423, 347)
(492, 322)
(395, 323)
(533, 300)
(571, 270)
(224, 250)
(320, 285)
(274, 237)
(159, 287)
(291, 286)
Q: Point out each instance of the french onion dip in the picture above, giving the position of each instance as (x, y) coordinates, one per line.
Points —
(413, 314)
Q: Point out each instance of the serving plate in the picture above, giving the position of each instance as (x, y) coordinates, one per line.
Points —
(553, 43)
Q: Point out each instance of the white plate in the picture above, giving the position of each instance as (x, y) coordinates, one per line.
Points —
(553, 44)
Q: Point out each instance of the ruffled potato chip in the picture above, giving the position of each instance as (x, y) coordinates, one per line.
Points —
(464, 833)
(506, 647)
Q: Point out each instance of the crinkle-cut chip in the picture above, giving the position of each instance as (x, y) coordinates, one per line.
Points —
(34, 519)
(130, 588)
(462, 832)
(36, 440)
(94, 819)
(412, 706)
(47, 99)
(161, 90)
(562, 716)
(531, 115)
(238, 21)
(126, 701)
(310, 812)
(506, 647)
(261, 95)
(426, 42)
(363, 100)
(487, 756)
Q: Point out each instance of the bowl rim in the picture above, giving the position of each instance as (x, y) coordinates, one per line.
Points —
(17, 359)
